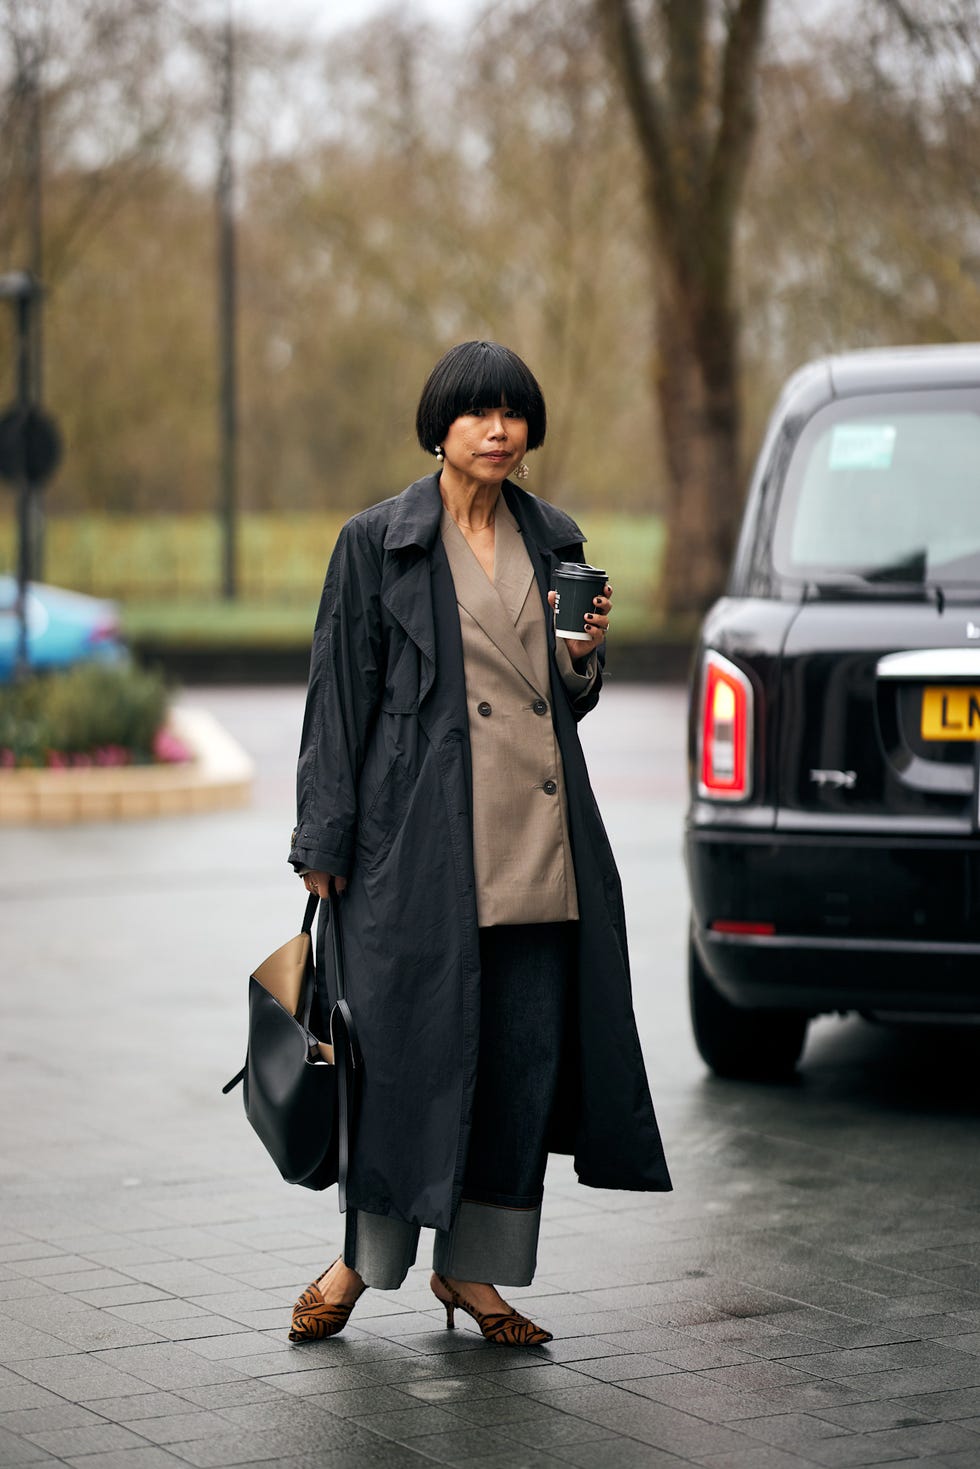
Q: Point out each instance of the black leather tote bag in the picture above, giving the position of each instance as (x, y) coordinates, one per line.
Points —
(299, 1089)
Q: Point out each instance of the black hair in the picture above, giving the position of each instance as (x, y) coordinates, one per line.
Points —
(478, 375)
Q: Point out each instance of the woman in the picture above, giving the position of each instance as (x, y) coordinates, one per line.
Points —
(442, 788)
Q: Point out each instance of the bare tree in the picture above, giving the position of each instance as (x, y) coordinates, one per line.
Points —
(688, 79)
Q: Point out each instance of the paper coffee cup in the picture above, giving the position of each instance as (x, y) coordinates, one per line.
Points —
(575, 588)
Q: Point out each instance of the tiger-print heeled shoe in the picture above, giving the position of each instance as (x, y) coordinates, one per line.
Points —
(314, 1319)
(506, 1328)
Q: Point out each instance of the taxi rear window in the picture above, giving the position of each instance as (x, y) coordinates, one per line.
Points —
(885, 489)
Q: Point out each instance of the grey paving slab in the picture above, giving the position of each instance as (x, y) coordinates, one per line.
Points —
(132, 1458)
(167, 1365)
(818, 1263)
(614, 1452)
(89, 1438)
(139, 1405)
(57, 1414)
(462, 1445)
(181, 1427)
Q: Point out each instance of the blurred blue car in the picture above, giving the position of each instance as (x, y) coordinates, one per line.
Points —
(63, 628)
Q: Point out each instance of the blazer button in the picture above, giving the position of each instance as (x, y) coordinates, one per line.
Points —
(550, 788)
(484, 709)
(539, 706)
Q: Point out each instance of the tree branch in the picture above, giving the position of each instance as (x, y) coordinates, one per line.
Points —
(733, 142)
(626, 54)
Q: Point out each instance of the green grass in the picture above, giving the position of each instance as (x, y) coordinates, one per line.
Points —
(165, 573)
(197, 623)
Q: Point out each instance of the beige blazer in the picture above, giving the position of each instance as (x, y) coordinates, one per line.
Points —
(521, 849)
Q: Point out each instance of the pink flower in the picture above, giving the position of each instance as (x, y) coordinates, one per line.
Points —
(111, 755)
(57, 760)
(169, 749)
(7, 759)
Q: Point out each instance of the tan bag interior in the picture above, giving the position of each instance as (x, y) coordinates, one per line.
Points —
(282, 975)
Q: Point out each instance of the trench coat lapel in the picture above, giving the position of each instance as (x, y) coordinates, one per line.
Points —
(480, 598)
(406, 589)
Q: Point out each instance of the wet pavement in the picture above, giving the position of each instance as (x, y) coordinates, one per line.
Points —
(808, 1295)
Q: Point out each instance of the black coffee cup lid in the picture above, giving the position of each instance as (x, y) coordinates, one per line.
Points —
(579, 571)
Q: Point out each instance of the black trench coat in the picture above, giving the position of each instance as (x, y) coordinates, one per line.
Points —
(384, 799)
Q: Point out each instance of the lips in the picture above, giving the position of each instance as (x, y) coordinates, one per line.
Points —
(495, 458)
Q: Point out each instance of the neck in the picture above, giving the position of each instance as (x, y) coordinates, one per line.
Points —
(471, 503)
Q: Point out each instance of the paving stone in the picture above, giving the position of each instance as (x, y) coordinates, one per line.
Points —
(85, 1280)
(759, 1377)
(221, 1345)
(15, 1450)
(196, 1328)
(79, 1377)
(945, 1405)
(520, 1456)
(140, 1405)
(20, 1394)
(880, 1413)
(121, 1295)
(624, 1367)
(407, 1424)
(692, 1394)
(180, 1427)
(448, 1389)
(57, 1414)
(143, 1458)
(857, 1449)
(167, 1365)
(509, 1408)
(230, 1394)
(88, 1438)
(462, 1445)
(159, 1309)
(555, 1433)
(248, 1445)
(19, 1342)
(320, 1381)
(929, 1439)
(760, 1456)
(616, 1452)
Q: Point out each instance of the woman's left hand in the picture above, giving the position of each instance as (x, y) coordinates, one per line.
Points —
(596, 625)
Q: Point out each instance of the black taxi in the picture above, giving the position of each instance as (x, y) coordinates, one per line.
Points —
(831, 838)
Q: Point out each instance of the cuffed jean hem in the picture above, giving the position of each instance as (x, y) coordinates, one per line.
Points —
(485, 1243)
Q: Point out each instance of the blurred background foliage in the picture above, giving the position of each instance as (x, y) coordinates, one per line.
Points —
(400, 189)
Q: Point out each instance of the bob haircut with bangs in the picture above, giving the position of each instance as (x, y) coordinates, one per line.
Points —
(478, 375)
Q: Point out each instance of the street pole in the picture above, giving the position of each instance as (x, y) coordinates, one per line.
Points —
(22, 482)
(227, 316)
(35, 171)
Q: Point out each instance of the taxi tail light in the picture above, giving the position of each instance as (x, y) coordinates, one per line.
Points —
(743, 926)
(725, 734)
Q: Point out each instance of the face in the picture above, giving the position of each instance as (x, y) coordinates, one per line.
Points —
(486, 444)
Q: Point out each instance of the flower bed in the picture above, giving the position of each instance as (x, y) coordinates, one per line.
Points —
(99, 743)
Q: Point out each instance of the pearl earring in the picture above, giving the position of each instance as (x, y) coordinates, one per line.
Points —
(439, 454)
(522, 473)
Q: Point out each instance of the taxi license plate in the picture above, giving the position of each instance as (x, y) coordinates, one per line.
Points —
(951, 713)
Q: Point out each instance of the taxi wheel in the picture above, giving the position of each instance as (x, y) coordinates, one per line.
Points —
(750, 1045)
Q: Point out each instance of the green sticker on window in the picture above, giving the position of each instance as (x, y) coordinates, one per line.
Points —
(862, 445)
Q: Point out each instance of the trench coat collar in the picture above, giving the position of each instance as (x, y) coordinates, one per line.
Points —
(417, 513)
(415, 517)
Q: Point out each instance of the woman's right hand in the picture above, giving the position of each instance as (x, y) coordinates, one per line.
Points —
(319, 883)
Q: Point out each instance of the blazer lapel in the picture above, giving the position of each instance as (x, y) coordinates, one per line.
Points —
(478, 596)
